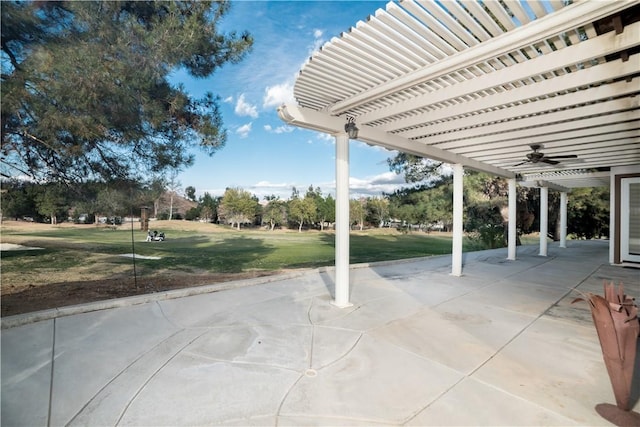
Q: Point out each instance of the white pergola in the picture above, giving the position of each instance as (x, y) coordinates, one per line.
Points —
(474, 84)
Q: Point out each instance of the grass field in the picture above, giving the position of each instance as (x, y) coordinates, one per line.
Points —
(78, 264)
(87, 252)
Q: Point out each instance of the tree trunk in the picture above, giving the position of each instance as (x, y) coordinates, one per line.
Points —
(171, 207)
(556, 234)
(300, 227)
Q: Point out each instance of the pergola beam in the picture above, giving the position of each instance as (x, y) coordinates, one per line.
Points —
(322, 122)
(540, 183)
(394, 142)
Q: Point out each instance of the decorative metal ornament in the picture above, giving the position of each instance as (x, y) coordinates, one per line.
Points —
(616, 320)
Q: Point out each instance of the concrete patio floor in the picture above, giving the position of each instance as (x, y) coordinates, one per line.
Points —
(501, 345)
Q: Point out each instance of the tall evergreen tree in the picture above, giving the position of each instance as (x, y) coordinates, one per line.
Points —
(51, 202)
(86, 92)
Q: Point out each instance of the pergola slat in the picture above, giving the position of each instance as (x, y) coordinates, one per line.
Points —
(550, 88)
(512, 148)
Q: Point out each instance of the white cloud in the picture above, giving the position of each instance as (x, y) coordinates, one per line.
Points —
(325, 137)
(266, 188)
(244, 108)
(386, 182)
(374, 186)
(278, 94)
(228, 100)
(279, 129)
(214, 192)
(281, 93)
(244, 130)
(387, 151)
(318, 41)
(267, 184)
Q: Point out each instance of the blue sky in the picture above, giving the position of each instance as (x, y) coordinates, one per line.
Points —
(262, 154)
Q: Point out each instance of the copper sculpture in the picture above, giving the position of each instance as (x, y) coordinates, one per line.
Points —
(616, 320)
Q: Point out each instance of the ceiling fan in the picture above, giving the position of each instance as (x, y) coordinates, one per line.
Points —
(537, 157)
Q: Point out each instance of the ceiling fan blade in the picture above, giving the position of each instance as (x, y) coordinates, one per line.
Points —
(549, 161)
(568, 156)
(522, 163)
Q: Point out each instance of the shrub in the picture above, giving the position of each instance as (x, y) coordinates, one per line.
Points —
(487, 237)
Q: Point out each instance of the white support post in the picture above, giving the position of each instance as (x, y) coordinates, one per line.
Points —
(513, 199)
(342, 222)
(613, 214)
(456, 247)
(563, 219)
(544, 221)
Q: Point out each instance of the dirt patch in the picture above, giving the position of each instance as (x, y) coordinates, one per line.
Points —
(139, 256)
(55, 295)
(15, 247)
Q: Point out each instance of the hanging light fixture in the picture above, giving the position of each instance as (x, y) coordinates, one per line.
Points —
(351, 128)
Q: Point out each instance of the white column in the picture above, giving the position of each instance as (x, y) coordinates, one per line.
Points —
(544, 221)
(612, 216)
(513, 199)
(456, 247)
(563, 220)
(342, 222)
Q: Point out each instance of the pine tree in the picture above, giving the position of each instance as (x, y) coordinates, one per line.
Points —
(86, 92)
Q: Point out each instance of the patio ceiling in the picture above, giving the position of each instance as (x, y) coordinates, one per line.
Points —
(476, 83)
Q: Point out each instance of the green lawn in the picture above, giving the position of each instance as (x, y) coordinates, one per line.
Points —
(89, 252)
(224, 251)
(218, 250)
